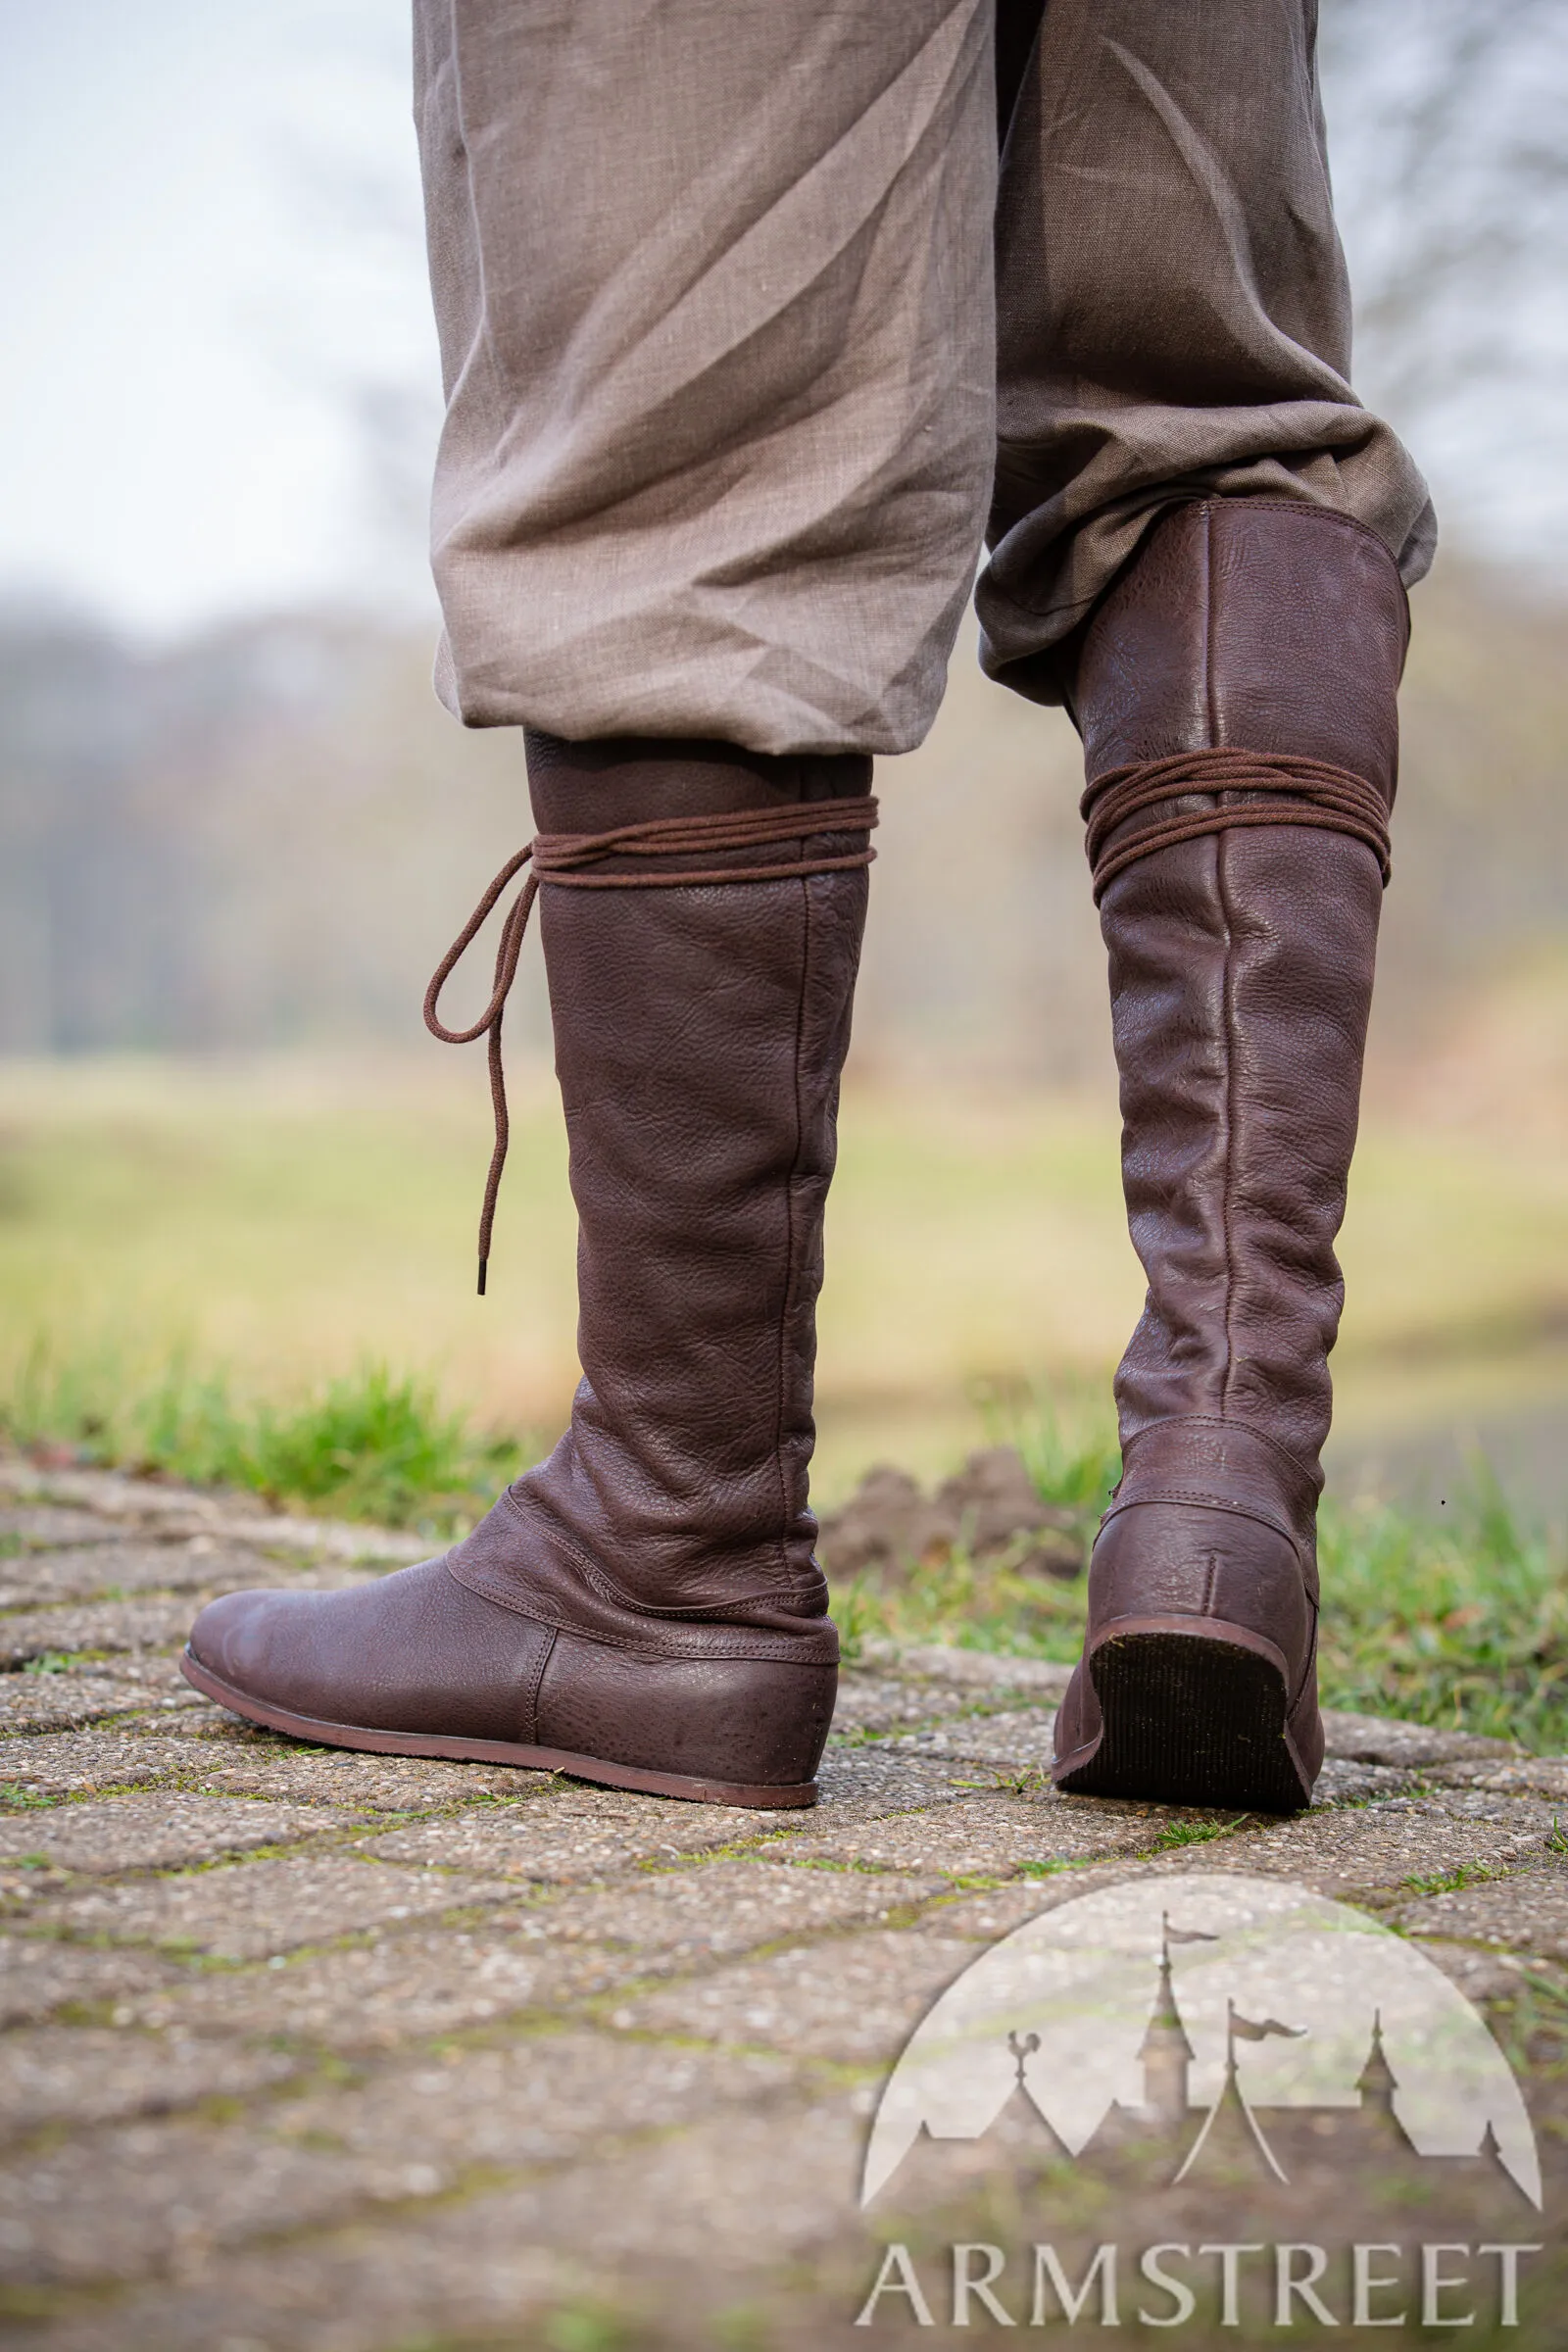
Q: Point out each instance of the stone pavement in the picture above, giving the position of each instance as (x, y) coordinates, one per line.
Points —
(305, 2051)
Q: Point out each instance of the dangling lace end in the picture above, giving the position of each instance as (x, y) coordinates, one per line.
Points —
(559, 858)
(506, 953)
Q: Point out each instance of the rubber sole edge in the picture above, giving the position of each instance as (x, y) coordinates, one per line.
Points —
(1189, 1715)
(693, 1789)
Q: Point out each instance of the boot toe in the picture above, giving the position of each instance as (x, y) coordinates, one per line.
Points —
(229, 1637)
(318, 1655)
(415, 1652)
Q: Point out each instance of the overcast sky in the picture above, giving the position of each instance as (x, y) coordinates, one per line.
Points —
(191, 273)
(209, 247)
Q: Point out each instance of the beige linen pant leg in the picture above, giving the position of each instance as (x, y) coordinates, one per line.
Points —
(1173, 310)
(714, 286)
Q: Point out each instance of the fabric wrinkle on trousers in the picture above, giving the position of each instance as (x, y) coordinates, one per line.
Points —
(747, 348)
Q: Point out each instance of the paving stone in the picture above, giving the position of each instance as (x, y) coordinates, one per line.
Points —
(1379, 1847)
(133, 2197)
(417, 1986)
(716, 1908)
(1023, 1738)
(205, 1748)
(572, 1833)
(105, 1625)
(1020, 1739)
(38, 1974)
(1529, 1913)
(109, 1496)
(966, 1669)
(1489, 1975)
(406, 2282)
(250, 1763)
(559, 1952)
(1375, 1740)
(141, 1753)
(855, 1999)
(409, 1988)
(376, 2042)
(1343, 1782)
(988, 1837)
(58, 1702)
(1543, 1776)
(157, 1833)
(870, 1702)
(530, 2101)
(93, 1571)
(711, 2217)
(766, 2186)
(249, 1910)
(47, 1527)
(863, 1783)
(1490, 1804)
(155, 1674)
(989, 1916)
(93, 2075)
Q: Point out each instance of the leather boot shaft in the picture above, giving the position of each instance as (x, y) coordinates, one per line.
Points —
(1255, 647)
(1261, 624)
(644, 1607)
(699, 1037)
(1242, 962)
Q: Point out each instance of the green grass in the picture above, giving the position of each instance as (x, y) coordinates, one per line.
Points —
(372, 1444)
(1450, 1882)
(1462, 1624)
(1194, 1833)
(294, 1217)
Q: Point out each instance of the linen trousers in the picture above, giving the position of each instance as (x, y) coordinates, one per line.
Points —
(760, 318)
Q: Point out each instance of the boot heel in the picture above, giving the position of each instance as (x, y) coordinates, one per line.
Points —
(1190, 1717)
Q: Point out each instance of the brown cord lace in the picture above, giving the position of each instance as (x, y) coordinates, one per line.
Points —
(558, 860)
(1301, 792)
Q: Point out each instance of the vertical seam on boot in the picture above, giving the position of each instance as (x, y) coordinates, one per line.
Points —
(1227, 1008)
(536, 1683)
(790, 1252)
(1227, 1191)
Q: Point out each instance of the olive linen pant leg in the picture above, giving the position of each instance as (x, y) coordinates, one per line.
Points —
(725, 348)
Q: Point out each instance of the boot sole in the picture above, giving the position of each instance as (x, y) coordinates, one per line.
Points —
(693, 1788)
(1189, 1719)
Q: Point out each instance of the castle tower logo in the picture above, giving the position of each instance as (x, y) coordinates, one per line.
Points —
(1218, 2025)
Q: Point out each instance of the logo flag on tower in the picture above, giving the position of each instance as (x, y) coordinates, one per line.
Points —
(1254, 2029)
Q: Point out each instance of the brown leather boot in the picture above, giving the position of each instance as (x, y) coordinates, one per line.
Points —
(643, 1608)
(1236, 696)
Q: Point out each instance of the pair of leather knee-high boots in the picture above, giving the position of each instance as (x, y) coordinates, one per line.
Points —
(644, 1607)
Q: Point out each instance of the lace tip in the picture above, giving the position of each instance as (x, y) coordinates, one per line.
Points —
(483, 1266)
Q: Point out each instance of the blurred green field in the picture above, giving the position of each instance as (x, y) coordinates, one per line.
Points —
(262, 1274)
(286, 1220)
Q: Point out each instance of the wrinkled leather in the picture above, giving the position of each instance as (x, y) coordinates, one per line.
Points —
(648, 1595)
(1253, 623)
(1229, 1466)
(1241, 981)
